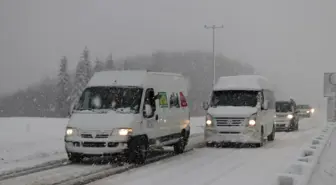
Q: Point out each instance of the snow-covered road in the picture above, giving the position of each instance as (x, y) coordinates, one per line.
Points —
(72, 171)
(26, 142)
(255, 166)
(212, 166)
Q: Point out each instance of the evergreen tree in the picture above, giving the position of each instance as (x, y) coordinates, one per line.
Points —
(63, 88)
(83, 74)
(110, 63)
(99, 66)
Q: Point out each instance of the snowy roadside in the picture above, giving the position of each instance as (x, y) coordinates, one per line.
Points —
(26, 142)
(325, 171)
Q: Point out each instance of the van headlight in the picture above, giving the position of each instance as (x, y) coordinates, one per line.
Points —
(289, 116)
(312, 110)
(252, 120)
(70, 131)
(122, 131)
(208, 120)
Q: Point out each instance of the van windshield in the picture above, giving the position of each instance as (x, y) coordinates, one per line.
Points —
(283, 107)
(234, 98)
(303, 106)
(124, 99)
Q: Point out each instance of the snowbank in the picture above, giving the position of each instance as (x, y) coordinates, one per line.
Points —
(27, 141)
(301, 169)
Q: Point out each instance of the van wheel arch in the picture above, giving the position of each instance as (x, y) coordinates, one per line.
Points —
(134, 153)
(185, 134)
(131, 138)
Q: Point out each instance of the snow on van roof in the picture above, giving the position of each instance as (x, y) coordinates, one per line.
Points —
(125, 78)
(111, 78)
(242, 82)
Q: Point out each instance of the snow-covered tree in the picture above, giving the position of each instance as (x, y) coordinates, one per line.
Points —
(83, 74)
(99, 66)
(126, 65)
(63, 87)
(110, 63)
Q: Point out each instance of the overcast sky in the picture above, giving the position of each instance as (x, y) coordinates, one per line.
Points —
(292, 42)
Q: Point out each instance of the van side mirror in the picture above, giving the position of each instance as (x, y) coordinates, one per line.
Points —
(258, 106)
(205, 105)
(148, 112)
(265, 105)
(71, 109)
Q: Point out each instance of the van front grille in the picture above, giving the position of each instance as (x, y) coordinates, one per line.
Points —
(99, 136)
(94, 144)
(229, 121)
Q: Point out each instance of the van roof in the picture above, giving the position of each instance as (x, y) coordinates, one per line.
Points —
(243, 82)
(126, 77)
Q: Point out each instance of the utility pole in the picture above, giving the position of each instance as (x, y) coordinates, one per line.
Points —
(213, 27)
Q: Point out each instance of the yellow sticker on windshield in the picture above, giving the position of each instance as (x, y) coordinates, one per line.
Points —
(163, 99)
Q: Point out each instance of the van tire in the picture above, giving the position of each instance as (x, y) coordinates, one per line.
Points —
(258, 145)
(181, 144)
(271, 137)
(186, 136)
(209, 144)
(138, 150)
(74, 158)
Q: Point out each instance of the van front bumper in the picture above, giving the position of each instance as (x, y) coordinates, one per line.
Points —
(215, 136)
(93, 147)
(281, 125)
(305, 115)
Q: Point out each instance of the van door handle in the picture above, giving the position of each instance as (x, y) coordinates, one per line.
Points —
(156, 117)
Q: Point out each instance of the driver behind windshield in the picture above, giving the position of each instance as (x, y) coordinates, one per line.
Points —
(110, 98)
(283, 107)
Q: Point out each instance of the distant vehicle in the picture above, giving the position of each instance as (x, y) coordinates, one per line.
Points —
(129, 113)
(305, 111)
(241, 109)
(286, 115)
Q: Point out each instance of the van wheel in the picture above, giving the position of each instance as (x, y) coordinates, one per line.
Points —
(210, 144)
(271, 137)
(261, 138)
(74, 158)
(186, 138)
(138, 150)
(180, 145)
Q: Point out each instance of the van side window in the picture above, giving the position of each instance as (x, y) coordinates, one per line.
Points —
(150, 100)
(174, 100)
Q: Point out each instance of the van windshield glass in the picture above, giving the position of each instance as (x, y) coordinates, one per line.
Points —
(234, 98)
(123, 99)
(303, 106)
(283, 107)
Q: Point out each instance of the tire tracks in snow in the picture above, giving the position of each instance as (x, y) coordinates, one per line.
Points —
(38, 168)
(77, 174)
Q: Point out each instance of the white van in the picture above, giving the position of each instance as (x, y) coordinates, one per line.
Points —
(129, 113)
(241, 110)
